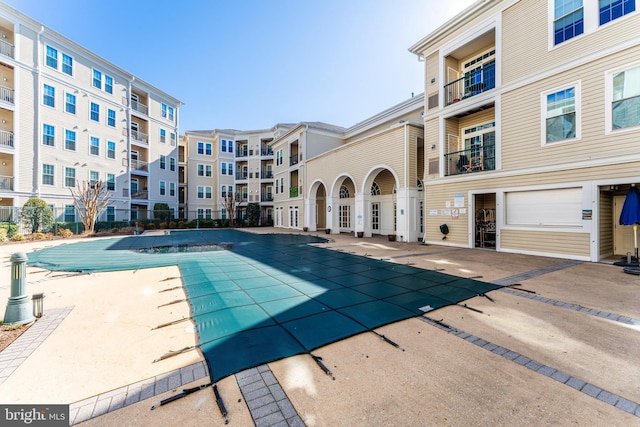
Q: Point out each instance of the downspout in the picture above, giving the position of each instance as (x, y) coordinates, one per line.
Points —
(304, 178)
(128, 180)
(406, 184)
(38, 90)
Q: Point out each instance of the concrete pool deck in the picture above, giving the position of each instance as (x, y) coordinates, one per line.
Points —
(567, 354)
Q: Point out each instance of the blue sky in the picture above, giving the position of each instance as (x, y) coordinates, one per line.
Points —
(249, 64)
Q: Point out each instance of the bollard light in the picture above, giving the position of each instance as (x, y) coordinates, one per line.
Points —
(18, 312)
(38, 305)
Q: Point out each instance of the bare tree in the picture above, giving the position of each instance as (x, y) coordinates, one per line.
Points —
(230, 206)
(90, 197)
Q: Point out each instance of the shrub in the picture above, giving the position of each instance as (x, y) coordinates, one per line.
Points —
(150, 226)
(38, 236)
(65, 233)
(3, 234)
(36, 215)
(17, 238)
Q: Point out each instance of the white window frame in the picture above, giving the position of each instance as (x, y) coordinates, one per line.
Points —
(608, 99)
(75, 103)
(52, 174)
(92, 146)
(578, 110)
(163, 188)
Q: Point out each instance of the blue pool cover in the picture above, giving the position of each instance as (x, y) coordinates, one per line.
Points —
(256, 298)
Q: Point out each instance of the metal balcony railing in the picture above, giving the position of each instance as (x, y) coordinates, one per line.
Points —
(267, 151)
(6, 94)
(136, 135)
(7, 49)
(6, 183)
(474, 159)
(293, 160)
(144, 194)
(139, 107)
(471, 84)
(6, 138)
(267, 174)
(242, 152)
(267, 198)
(139, 165)
(241, 175)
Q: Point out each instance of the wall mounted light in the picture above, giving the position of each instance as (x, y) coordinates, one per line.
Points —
(433, 146)
(433, 80)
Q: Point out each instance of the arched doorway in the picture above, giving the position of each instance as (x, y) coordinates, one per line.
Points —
(382, 203)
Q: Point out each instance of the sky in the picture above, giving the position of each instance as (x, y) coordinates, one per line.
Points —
(250, 64)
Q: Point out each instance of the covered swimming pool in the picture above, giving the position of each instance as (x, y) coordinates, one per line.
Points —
(256, 298)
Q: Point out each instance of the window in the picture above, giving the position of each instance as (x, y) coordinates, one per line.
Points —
(230, 168)
(111, 213)
(480, 145)
(95, 112)
(224, 168)
(625, 102)
(344, 192)
(200, 147)
(561, 123)
(69, 177)
(111, 150)
(163, 136)
(163, 189)
(97, 79)
(48, 172)
(111, 118)
(70, 140)
(204, 170)
(278, 157)
(164, 110)
(568, 20)
(48, 135)
(375, 189)
(230, 146)
(208, 150)
(67, 64)
(200, 213)
(70, 103)
(69, 213)
(52, 57)
(163, 161)
(172, 189)
(171, 113)
(614, 9)
(94, 146)
(223, 191)
(94, 177)
(173, 138)
(108, 84)
(49, 96)
(172, 163)
(204, 192)
(111, 182)
(223, 213)
(223, 146)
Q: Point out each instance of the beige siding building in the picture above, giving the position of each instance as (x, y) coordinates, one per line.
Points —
(532, 108)
(68, 116)
(363, 180)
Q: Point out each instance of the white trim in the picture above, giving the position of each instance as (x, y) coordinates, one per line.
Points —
(577, 85)
(608, 99)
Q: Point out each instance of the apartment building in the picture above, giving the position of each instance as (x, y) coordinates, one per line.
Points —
(363, 180)
(68, 115)
(221, 162)
(532, 113)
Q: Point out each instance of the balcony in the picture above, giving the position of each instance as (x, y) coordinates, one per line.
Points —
(475, 159)
(139, 107)
(139, 165)
(293, 160)
(267, 198)
(266, 151)
(242, 152)
(242, 175)
(6, 139)
(471, 84)
(241, 197)
(7, 94)
(139, 136)
(267, 174)
(140, 195)
(7, 49)
(295, 191)
(6, 183)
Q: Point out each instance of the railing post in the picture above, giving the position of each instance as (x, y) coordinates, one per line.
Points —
(18, 311)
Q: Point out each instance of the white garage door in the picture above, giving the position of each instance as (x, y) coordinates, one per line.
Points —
(545, 208)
